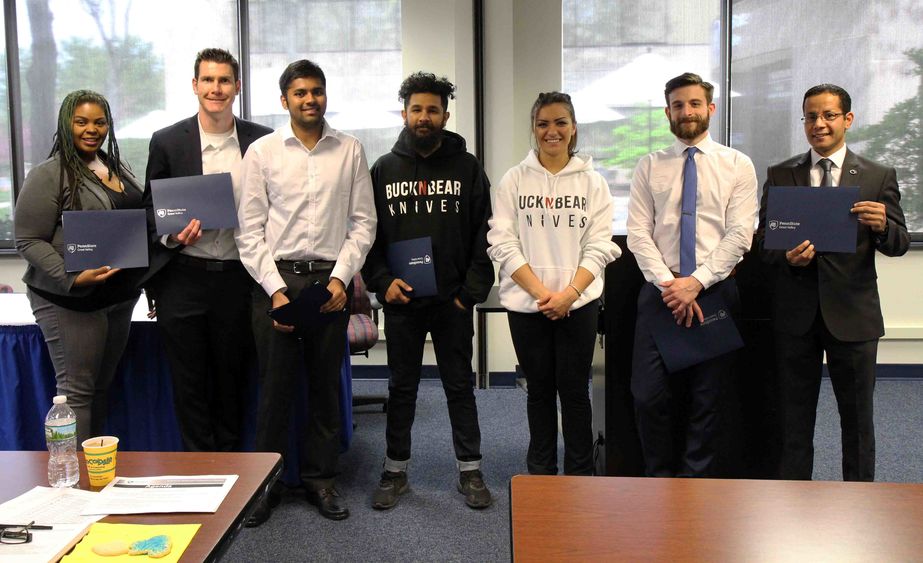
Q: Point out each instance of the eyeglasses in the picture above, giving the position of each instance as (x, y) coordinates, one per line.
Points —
(827, 116)
(16, 535)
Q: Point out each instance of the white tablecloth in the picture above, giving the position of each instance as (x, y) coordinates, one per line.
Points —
(15, 310)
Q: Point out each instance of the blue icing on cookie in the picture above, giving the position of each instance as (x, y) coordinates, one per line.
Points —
(157, 546)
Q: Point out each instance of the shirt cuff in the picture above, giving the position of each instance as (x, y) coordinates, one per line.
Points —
(273, 283)
(591, 266)
(705, 277)
(341, 273)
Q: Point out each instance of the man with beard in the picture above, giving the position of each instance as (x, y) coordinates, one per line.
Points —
(430, 186)
(306, 218)
(690, 220)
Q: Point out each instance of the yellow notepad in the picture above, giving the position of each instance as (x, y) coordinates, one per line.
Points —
(180, 536)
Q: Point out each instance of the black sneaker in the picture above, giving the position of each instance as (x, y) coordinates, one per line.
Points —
(471, 484)
(391, 486)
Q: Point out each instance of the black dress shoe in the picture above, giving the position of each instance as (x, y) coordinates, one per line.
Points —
(263, 509)
(328, 504)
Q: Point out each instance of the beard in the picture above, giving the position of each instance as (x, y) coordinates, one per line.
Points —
(676, 127)
(424, 139)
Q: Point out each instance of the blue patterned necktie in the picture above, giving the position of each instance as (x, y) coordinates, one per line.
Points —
(827, 180)
(687, 221)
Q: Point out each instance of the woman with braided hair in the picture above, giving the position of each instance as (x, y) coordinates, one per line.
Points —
(84, 316)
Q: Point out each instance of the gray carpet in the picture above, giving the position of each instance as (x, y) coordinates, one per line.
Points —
(432, 523)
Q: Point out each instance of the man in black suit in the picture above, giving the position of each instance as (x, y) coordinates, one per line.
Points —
(202, 295)
(828, 302)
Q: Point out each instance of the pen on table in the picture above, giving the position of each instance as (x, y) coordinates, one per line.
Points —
(35, 527)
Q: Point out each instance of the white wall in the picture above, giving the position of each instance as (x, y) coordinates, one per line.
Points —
(523, 46)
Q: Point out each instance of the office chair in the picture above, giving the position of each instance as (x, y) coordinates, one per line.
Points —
(363, 334)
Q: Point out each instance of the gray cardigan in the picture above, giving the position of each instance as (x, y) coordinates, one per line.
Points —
(37, 226)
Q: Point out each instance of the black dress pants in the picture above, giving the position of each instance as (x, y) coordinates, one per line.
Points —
(655, 393)
(452, 331)
(556, 357)
(204, 320)
(315, 354)
(852, 373)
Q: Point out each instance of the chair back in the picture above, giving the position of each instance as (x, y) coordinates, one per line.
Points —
(362, 329)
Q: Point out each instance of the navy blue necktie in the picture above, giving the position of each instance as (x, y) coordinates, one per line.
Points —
(687, 221)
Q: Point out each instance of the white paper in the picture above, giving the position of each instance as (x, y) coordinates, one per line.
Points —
(166, 493)
(59, 508)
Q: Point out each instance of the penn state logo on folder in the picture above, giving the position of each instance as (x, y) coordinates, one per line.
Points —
(412, 261)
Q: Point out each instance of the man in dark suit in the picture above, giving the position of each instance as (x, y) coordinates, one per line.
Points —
(202, 295)
(828, 302)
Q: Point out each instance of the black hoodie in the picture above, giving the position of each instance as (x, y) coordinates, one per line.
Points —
(445, 196)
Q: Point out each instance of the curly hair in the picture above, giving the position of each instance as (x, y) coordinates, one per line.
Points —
(63, 146)
(426, 83)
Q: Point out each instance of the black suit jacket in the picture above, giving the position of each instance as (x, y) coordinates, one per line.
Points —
(177, 151)
(844, 286)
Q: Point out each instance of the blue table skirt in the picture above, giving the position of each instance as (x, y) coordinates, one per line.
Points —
(140, 398)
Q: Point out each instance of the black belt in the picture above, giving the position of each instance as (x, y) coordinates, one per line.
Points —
(209, 265)
(305, 267)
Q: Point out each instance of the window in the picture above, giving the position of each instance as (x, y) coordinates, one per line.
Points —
(617, 57)
(140, 56)
(120, 49)
(874, 50)
(6, 171)
(358, 46)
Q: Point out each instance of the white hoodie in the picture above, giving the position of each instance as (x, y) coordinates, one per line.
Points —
(554, 223)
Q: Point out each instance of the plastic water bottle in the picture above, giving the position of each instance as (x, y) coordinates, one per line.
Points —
(61, 437)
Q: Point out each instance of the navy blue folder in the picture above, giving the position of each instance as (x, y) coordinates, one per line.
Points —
(412, 261)
(304, 310)
(795, 214)
(682, 347)
(116, 238)
(208, 198)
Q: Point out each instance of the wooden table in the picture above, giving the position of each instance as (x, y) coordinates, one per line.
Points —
(24, 470)
(560, 518)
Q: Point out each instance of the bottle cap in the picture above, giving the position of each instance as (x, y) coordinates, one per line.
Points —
(59, 399)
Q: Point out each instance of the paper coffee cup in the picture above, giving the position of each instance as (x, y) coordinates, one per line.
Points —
(100, 455)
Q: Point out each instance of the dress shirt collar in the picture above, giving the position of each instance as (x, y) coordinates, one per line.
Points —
(706, 145)
(838, 157)
(288, 135)
(206, 143)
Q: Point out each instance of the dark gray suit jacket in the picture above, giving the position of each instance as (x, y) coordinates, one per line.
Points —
(177, 151)
(844, 286)
(38, 227)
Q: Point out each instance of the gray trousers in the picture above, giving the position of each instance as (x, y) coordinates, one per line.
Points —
(85, 349)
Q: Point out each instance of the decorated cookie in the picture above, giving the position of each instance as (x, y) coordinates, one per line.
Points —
(111, 549)
(157, 546)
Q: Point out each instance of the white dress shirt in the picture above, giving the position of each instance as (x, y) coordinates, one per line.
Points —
(726, 208)
(300, 204)
(220, 153)
(817, 173)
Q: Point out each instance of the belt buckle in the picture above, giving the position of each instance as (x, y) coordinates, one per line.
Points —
(302, 267)
(213, 266)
